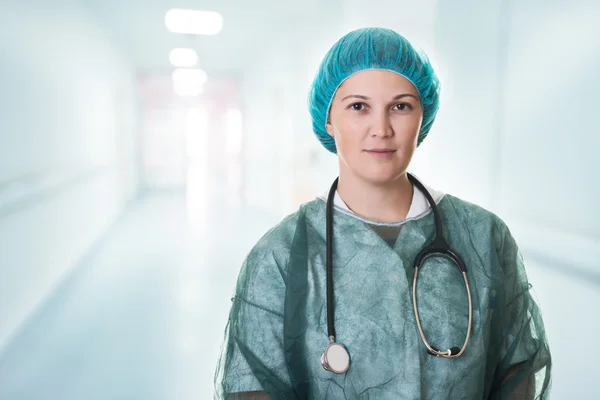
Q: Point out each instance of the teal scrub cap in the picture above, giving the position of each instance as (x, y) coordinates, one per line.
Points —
(371, 49)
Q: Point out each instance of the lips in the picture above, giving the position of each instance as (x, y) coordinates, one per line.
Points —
(382, 154)
(383, 151)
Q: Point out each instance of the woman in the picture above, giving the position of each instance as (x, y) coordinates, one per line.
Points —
(373, 102)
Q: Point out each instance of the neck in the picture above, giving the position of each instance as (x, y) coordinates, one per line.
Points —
(383, 203)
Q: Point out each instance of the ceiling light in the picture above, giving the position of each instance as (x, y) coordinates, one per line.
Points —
(193, 22)
(188, 81)
(183, 57)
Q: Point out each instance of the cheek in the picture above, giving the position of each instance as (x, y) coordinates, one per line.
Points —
(350, 129)
(408, 128)
(349, 143)
(348, 137)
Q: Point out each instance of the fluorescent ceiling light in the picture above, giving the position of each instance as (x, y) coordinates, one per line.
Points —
(183, 57)
(188, 81)
(193, 22)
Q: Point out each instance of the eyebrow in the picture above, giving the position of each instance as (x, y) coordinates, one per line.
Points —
(397, 97)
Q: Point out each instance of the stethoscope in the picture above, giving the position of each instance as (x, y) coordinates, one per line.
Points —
(336, 358)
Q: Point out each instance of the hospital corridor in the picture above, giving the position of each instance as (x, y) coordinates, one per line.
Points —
(147, 146)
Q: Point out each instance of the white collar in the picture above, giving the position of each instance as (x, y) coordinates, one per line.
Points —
(418, 206)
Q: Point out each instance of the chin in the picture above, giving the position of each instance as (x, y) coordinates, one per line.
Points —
(381, 178)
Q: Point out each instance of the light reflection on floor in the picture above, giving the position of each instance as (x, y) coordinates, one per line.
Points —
(144, 317)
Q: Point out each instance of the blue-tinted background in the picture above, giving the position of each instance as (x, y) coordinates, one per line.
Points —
(127, 209)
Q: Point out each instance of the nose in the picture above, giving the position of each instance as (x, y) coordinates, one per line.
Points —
(382, 125)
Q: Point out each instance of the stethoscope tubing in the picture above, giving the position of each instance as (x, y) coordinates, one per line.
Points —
(438, 247)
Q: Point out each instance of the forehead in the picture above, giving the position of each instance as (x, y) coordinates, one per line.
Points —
(377, 81)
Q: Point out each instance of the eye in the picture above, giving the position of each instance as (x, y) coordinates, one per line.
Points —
(357, 106)
(403, 107)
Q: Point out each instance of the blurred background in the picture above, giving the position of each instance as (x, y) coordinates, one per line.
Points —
(145, 149)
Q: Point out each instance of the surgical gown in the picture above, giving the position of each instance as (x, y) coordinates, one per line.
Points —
(277, 328)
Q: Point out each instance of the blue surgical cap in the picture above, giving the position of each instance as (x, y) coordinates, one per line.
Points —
(371, 49)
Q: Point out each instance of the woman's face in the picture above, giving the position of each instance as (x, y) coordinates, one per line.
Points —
(375, 120)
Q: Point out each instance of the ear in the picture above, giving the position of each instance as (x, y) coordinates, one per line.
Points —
(329, 129)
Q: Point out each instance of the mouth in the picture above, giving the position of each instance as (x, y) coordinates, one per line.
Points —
(381, 151)
(382, 154)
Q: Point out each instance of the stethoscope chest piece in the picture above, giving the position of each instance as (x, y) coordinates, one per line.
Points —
(335, 358)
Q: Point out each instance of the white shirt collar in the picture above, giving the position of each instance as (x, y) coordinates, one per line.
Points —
(418, 206)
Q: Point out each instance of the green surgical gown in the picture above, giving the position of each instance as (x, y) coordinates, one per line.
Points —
(277, 328)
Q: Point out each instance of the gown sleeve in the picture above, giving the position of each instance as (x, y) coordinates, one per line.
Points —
(525, 361)
(252, 364)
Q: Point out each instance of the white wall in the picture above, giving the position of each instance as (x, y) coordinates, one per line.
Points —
(67, 112)
(467, 57)
(279, 145)
(550, 141)
(513, 132)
